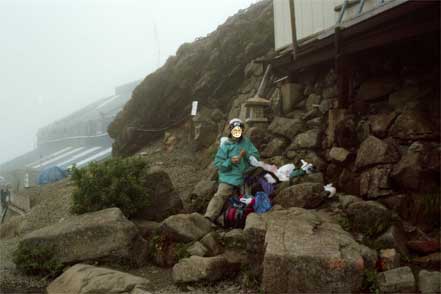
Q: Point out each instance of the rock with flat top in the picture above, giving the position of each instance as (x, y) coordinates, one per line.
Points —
(186, 227)
(398, 280)
(374, 151)
(196, 268)
(429, 282)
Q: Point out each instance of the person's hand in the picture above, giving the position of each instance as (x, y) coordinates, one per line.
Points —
(242, 153)
(235, 159)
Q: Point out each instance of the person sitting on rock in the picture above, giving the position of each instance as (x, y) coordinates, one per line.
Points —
(232, 162)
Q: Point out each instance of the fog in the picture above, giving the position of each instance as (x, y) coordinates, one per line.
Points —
(60, 55)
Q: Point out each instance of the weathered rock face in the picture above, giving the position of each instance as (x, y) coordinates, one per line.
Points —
(286, 127)
(375, 151)
(165, 201)
(201, 195)
(377, 88)
(369, 217)
(399, 280)
(84, 278)
(394, 237)
(306, 140)
(105, 234)
(195, 269)
(186, 227)
(306, 195)
(375, 183)
(381, 123)
(304, 254)
(413, 125)
(221, 59)
(292, 93)
(429, 282)
(312, 100)
(275, 147)
(338, 154)
(211, 242)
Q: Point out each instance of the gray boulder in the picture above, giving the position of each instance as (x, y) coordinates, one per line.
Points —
(197, 249)
(411, 125)
(375, 151)
(380, 123)
(308, 139)
(306, 195)
(305, 254)
(235, 238)
(201, 195)
(101, 235)
(212, 242)
(196, 268)
(429, 282)
(165, 200)
(286, 127)
(377, 88)
(292, 93)
(186, 227)
(338, 154)
(398, 280)
(275, 147)
(312, 100)
(309, 178)
(84, 278)
(369, 217)
(375, 182)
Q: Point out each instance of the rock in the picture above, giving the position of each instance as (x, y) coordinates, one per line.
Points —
(286, 127)
(217, 115)
(314, 123)
(275, 147)
(147, 228)
(309, 178)
(295, 114)
(429, 261)
(335, 116)
(291, 94)
(338, 154)
(394, 237)
(412, 171)
(375, 151)
(196, 269)
(307, 155)
(374, 182)
(325, 105)
(197, 249)
(363, 130)
(346, 200)
(201, 195)
(377, 88)
(257, 136)
(345, 133)
(306, 140)
(407, 98)
(306, 255)
(370, 257)
(411, 126)
(255, 231)
(330, 92)
(312, 100)
(186, 227)
(369, 217)
(84, 278)
(306, 195)
(235, 238)
(165, 200)
(424, 246)
(389, 259)
(429, 282)
(253, 69)
(381, 123)
(398, 280)
(211, 242)
(349, 181)
(205, 130)
(101, 235)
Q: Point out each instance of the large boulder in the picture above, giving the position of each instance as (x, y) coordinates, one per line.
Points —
(394, 237)
(101, 235)
(369, 217)
(305, 253)
(398, 280)
(306, 195)
(429, 282)
(338, 154)
(312, 100)
(411, 125)
(375, 151)
(286, 127)
(202, 193)
(380, 123)
(377, 88)
(275, 147)
(84, 278)
(186, 227)
(408, 98)
(196, 268)
(165, 200)
(308, 139)
(375, 183)
(292, 93)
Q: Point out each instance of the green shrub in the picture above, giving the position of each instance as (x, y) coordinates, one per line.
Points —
(36, 260)
(116, 182)
(370, 283)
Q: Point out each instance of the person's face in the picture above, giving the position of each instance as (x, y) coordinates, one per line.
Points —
(236, 132)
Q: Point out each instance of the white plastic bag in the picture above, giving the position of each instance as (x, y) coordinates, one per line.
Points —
(284, 171)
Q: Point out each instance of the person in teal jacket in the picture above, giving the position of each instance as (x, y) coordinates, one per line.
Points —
(232, 161)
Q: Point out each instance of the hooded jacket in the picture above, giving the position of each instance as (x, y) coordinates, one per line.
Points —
(229, 172)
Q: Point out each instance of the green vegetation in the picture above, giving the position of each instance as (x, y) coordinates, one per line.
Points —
(370, 284)
(36, 260)
(116, 182)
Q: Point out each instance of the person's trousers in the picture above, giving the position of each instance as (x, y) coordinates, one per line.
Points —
(214, 209)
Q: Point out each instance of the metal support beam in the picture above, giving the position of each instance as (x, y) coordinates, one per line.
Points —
(292, 13)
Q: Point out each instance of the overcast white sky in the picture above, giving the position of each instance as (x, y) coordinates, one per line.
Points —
(60, 55)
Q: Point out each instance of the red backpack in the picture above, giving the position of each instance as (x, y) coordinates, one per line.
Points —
(236, 212)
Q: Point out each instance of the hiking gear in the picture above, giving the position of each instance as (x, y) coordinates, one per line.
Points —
(235, 122)
(236, 212)
(297, 173)
(216, 203)
(230, 173)
(331, 189)
(307, 167)
(263, 203)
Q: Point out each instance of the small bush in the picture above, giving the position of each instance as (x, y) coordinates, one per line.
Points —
(36, 260)
(117, 182)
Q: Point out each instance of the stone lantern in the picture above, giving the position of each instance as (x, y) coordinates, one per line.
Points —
(255, 111)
